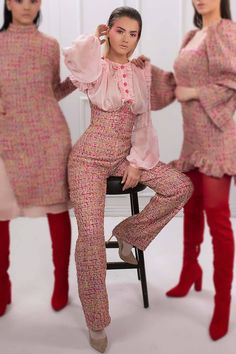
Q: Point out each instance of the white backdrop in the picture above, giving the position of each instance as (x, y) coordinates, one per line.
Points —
(164, 25)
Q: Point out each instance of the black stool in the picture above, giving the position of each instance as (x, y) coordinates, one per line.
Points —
(114, 187)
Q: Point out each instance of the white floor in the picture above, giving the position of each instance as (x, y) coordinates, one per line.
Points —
(177, 326)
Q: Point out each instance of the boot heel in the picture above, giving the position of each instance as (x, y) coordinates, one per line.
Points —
(198, 284)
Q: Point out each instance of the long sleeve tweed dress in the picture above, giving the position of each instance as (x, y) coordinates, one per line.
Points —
(34, 136)
(209, 128)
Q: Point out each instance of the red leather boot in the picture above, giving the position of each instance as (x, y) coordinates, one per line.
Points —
(5, 284)
(191, 273)
(223, 248)
(60, 230)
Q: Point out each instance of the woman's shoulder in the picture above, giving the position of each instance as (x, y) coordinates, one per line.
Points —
(223, 29)
(145, 74)
(222, 35)
(224, 26)
(3, 34)
(188, 36)
(48, 40)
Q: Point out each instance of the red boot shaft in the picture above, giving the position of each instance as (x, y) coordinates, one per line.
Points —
(223, 250)
(5, 284)
(191, 273)
(60, 230)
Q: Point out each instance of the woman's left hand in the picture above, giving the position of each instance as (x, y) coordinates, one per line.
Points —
(184, 94)
(131, 177)
(101, 31)
(140, 61)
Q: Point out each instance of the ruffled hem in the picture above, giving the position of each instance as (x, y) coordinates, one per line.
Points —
(9, 207)
(205, 165)
(13, 211)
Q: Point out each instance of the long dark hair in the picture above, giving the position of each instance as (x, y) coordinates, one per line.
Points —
(225, 12)
(7, 18)
(125, 11)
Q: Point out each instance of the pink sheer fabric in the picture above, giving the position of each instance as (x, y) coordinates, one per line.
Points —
(108, 86)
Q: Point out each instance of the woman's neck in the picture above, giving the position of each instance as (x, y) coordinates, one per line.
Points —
(21, 24)
(116, 58)
(211, 18)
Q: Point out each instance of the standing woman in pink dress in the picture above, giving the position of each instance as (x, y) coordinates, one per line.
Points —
(120, 141)
(205, 72)
(34, 140)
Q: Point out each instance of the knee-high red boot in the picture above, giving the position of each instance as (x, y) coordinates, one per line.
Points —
(60, 230)
(5, 284)
(191, 273)
(223, 248)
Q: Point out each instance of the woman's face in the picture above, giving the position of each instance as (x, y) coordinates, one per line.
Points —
(205, 7)
(123, 36)
(23, 11)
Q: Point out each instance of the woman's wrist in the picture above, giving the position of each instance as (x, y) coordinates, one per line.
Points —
(195, 93)
(133, 164)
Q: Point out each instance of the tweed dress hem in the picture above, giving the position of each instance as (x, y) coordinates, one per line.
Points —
(9, 207)
(205, 166)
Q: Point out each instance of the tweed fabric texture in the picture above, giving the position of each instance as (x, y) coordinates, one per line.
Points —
(209, 128)
(99, 153)
(34, 136)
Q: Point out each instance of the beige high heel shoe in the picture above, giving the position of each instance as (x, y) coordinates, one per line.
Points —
(129, 258)
(98, 344)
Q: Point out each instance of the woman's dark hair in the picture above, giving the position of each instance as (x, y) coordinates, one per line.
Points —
(225, 12)
(125, 11)
(7, 18)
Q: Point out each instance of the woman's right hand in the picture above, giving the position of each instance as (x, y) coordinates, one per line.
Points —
(140, 61)
(101, 31)
(2, 108)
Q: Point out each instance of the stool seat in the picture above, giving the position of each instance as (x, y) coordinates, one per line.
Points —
(114, 186)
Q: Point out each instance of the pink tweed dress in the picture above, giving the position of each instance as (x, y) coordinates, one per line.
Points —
(209, 128)
(34, 137)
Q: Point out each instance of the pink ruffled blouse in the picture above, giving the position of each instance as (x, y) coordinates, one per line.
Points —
(109, 86)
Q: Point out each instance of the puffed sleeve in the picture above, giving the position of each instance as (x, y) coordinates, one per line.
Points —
(218, 98)
(144, 152)
(83, 59)
(162, 88)
(64, 88)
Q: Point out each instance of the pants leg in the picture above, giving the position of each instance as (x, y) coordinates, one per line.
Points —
(172, 188)
(88, 191)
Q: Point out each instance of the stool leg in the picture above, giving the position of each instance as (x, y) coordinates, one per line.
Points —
(139, 254)
(143, 279)
(134, 204)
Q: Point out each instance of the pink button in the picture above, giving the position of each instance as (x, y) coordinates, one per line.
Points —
(124, 76)
(127, 91)
(125, 84)
(122, 67)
